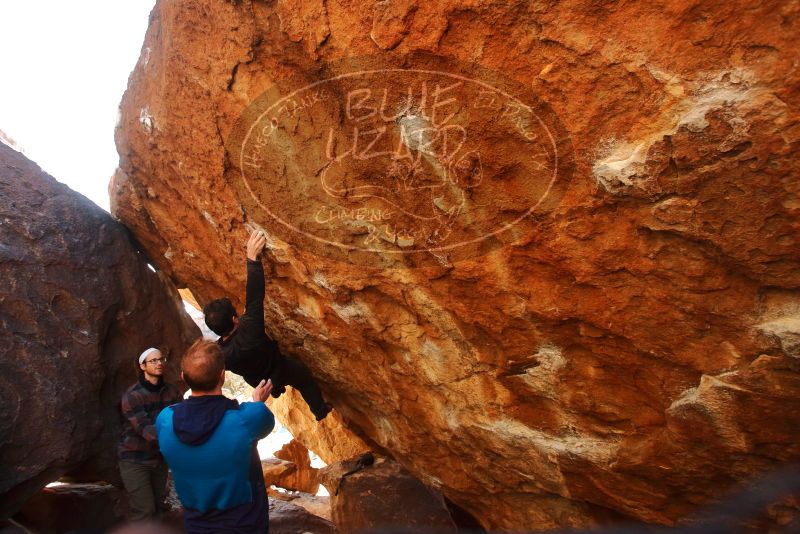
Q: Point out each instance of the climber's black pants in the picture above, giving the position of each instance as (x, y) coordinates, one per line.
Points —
(292, 372)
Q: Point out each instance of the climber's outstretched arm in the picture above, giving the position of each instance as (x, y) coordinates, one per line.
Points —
(251, 324)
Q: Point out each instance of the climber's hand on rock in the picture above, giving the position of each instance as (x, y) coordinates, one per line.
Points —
(255, 244)
(262, 391)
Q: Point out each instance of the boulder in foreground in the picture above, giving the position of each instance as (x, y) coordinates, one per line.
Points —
(78, 304)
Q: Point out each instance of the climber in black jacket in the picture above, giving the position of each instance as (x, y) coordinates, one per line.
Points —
(248, 350)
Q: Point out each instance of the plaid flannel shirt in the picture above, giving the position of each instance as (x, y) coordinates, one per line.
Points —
(141, 404)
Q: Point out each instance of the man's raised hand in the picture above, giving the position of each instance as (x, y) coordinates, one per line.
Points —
(262, 391)
(255, 244)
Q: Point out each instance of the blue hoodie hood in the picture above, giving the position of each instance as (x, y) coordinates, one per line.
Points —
(195, 419)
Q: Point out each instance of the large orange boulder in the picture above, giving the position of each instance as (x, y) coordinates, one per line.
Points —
(545, 255)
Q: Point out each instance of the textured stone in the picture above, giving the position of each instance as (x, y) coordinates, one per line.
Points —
(628, 351)
(383, 495)
(274, 470)
(304, 477)
(74, 507)
(330, 438)
(288, 518)
(318, 505)
(78, 304)
(8, 140)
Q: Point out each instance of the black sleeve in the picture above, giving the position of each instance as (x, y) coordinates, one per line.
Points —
(251, 324)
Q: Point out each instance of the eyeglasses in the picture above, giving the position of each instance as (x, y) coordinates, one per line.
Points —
(156, 360)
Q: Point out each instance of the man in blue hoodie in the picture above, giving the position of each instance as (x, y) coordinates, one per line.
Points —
(209, 442)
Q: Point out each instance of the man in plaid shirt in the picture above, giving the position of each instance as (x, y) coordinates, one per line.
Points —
(143, 470)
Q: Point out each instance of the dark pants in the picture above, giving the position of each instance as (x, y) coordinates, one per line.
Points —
(292, 372)
(146, 487)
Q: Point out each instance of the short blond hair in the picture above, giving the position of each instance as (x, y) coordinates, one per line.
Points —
(202, 365)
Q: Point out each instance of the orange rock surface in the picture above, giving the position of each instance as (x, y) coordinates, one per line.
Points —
(618, 336)
(304, 478)
(330, 439)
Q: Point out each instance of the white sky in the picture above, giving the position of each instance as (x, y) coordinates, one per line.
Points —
(64, 65)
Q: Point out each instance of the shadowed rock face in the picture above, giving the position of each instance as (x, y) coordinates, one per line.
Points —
(628, 349)
(74, 507)
(289, 518)
(77, 306)
(383, 495)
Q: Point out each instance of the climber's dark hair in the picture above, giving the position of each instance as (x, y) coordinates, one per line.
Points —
(219, 316)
